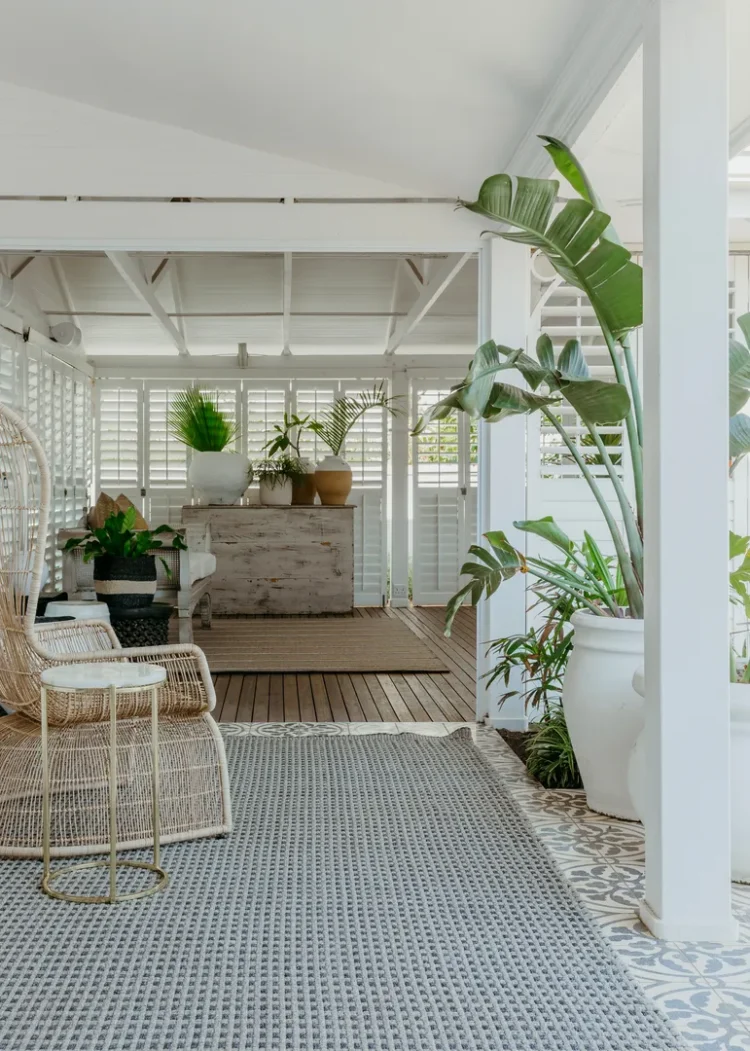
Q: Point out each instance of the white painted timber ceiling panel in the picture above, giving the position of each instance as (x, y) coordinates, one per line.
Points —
(436, 331)
(221, 335)
(341, 284)
(226, 283)
(131, 335)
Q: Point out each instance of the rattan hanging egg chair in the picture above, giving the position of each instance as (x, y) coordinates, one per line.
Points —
(194, 792)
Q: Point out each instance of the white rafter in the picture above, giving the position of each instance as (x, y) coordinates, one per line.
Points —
(286, 296)
(609, 41)
(66, 295)
(442, 275)
(129, 271)
(394, 303)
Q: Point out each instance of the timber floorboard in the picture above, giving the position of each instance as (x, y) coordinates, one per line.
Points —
(370, 697)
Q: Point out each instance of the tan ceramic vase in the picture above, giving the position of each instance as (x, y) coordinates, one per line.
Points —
(333, 480)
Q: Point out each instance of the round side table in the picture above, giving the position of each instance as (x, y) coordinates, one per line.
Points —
(83, 610)
(116, 678)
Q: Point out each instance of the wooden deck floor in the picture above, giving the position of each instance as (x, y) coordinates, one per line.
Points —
(374, 697)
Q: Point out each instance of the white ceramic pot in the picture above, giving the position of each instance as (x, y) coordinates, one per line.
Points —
(219, 478)
(603, 712)
(739, 745)
(333, 480)
(279, 495)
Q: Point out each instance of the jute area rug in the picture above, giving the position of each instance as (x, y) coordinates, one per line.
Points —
(378, 893)
(312, 644)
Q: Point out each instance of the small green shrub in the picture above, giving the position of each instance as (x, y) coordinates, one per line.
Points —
(550, 757)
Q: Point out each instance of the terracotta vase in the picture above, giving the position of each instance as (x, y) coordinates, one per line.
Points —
(303, 489)
(333, 480)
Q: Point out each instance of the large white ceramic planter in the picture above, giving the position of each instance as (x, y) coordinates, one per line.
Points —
(603, 712)
(333, 480)
(219, 478)
(279, 495)
(739, 744)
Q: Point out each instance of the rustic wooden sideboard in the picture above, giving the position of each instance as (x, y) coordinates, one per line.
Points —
(279, 560)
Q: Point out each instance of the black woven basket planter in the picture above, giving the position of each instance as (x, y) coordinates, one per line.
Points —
(144, 626)
(125, 583)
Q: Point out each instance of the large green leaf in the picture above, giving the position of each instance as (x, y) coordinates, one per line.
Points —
(739, 376)
(571, 169)
(573, 242)
(596, 401)
(744, 323)
(572, 364)
(549, 530)
(739, 436)
(485, 365)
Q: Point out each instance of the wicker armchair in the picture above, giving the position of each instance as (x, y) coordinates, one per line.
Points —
(194, 798)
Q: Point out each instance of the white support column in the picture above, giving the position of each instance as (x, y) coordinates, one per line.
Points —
(400, 492)
(688, 894)
(504, 306)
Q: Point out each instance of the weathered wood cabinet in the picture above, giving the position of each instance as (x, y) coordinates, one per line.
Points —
(279, 559)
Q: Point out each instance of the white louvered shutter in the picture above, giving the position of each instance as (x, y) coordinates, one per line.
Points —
(554, 483)
(166, 483)
(265, 405)
(443, 498)
(120, 442)
(366, 452)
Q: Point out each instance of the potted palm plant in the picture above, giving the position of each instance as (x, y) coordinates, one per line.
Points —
(124, 573)
(286, 440)
(277, 478)
(218, 476)
(333, 475)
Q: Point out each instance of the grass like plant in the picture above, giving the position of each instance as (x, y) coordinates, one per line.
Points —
(549, 756)
(275, 472)
(196, 420)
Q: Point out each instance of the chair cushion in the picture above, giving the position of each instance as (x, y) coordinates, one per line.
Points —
(202, 564)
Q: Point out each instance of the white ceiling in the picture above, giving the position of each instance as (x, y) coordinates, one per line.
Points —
(428, 94)
(339, 304)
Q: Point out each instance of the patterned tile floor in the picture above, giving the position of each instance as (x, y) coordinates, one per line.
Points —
(702, 987)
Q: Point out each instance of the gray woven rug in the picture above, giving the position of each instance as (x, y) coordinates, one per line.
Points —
(379, 893)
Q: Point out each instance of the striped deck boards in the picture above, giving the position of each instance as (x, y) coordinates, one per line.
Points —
(371, 697)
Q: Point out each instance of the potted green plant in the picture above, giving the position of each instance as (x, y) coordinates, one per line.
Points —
(218, 476)
(333, 475)
(603, 712)
(286, 440)
(124, 572)
(277, 477)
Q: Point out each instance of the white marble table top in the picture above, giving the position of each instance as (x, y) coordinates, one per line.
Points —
(79, 610)
(100, 675)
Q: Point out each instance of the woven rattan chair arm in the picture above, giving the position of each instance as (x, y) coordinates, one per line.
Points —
(188, 675)
(76, 636)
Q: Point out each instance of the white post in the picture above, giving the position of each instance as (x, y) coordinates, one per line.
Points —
(400, 492)
(504, 306)
(688, 890)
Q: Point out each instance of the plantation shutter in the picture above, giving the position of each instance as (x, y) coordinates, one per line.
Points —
(366, 451)
(443, 471)
(310, 399)
(554, 483)
(265, 406)
(167, 487)
(120, 442)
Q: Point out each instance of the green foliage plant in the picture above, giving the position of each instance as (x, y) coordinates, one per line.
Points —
(195, 420)
(288, 434)
(275, 472)
(336, 422)
(549, 755)
(118, 537)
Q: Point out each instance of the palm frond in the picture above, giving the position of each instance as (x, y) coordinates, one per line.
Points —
(196, 420)
(336, 421)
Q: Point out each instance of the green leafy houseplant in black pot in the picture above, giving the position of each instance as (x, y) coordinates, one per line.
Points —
(124, 573)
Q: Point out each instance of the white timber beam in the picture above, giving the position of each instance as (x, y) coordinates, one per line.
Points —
(61, 279)
(129, 271)
(415, 274)
(441, 277)
(504, 294)
(148, 226)
(611, 34)
(688, 871)
(159, 273)
(286, 308)
(391, 323)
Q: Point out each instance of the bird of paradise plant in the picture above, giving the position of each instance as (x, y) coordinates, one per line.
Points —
(582, 246)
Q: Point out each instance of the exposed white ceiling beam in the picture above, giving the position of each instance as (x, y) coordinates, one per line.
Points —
(131, 274)
(158, 275)
(415, 274)
(608, 41)
(174, 284)
(66, 295)
(286, 296)
(391, 324)
(441, 277)
(22, 266)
